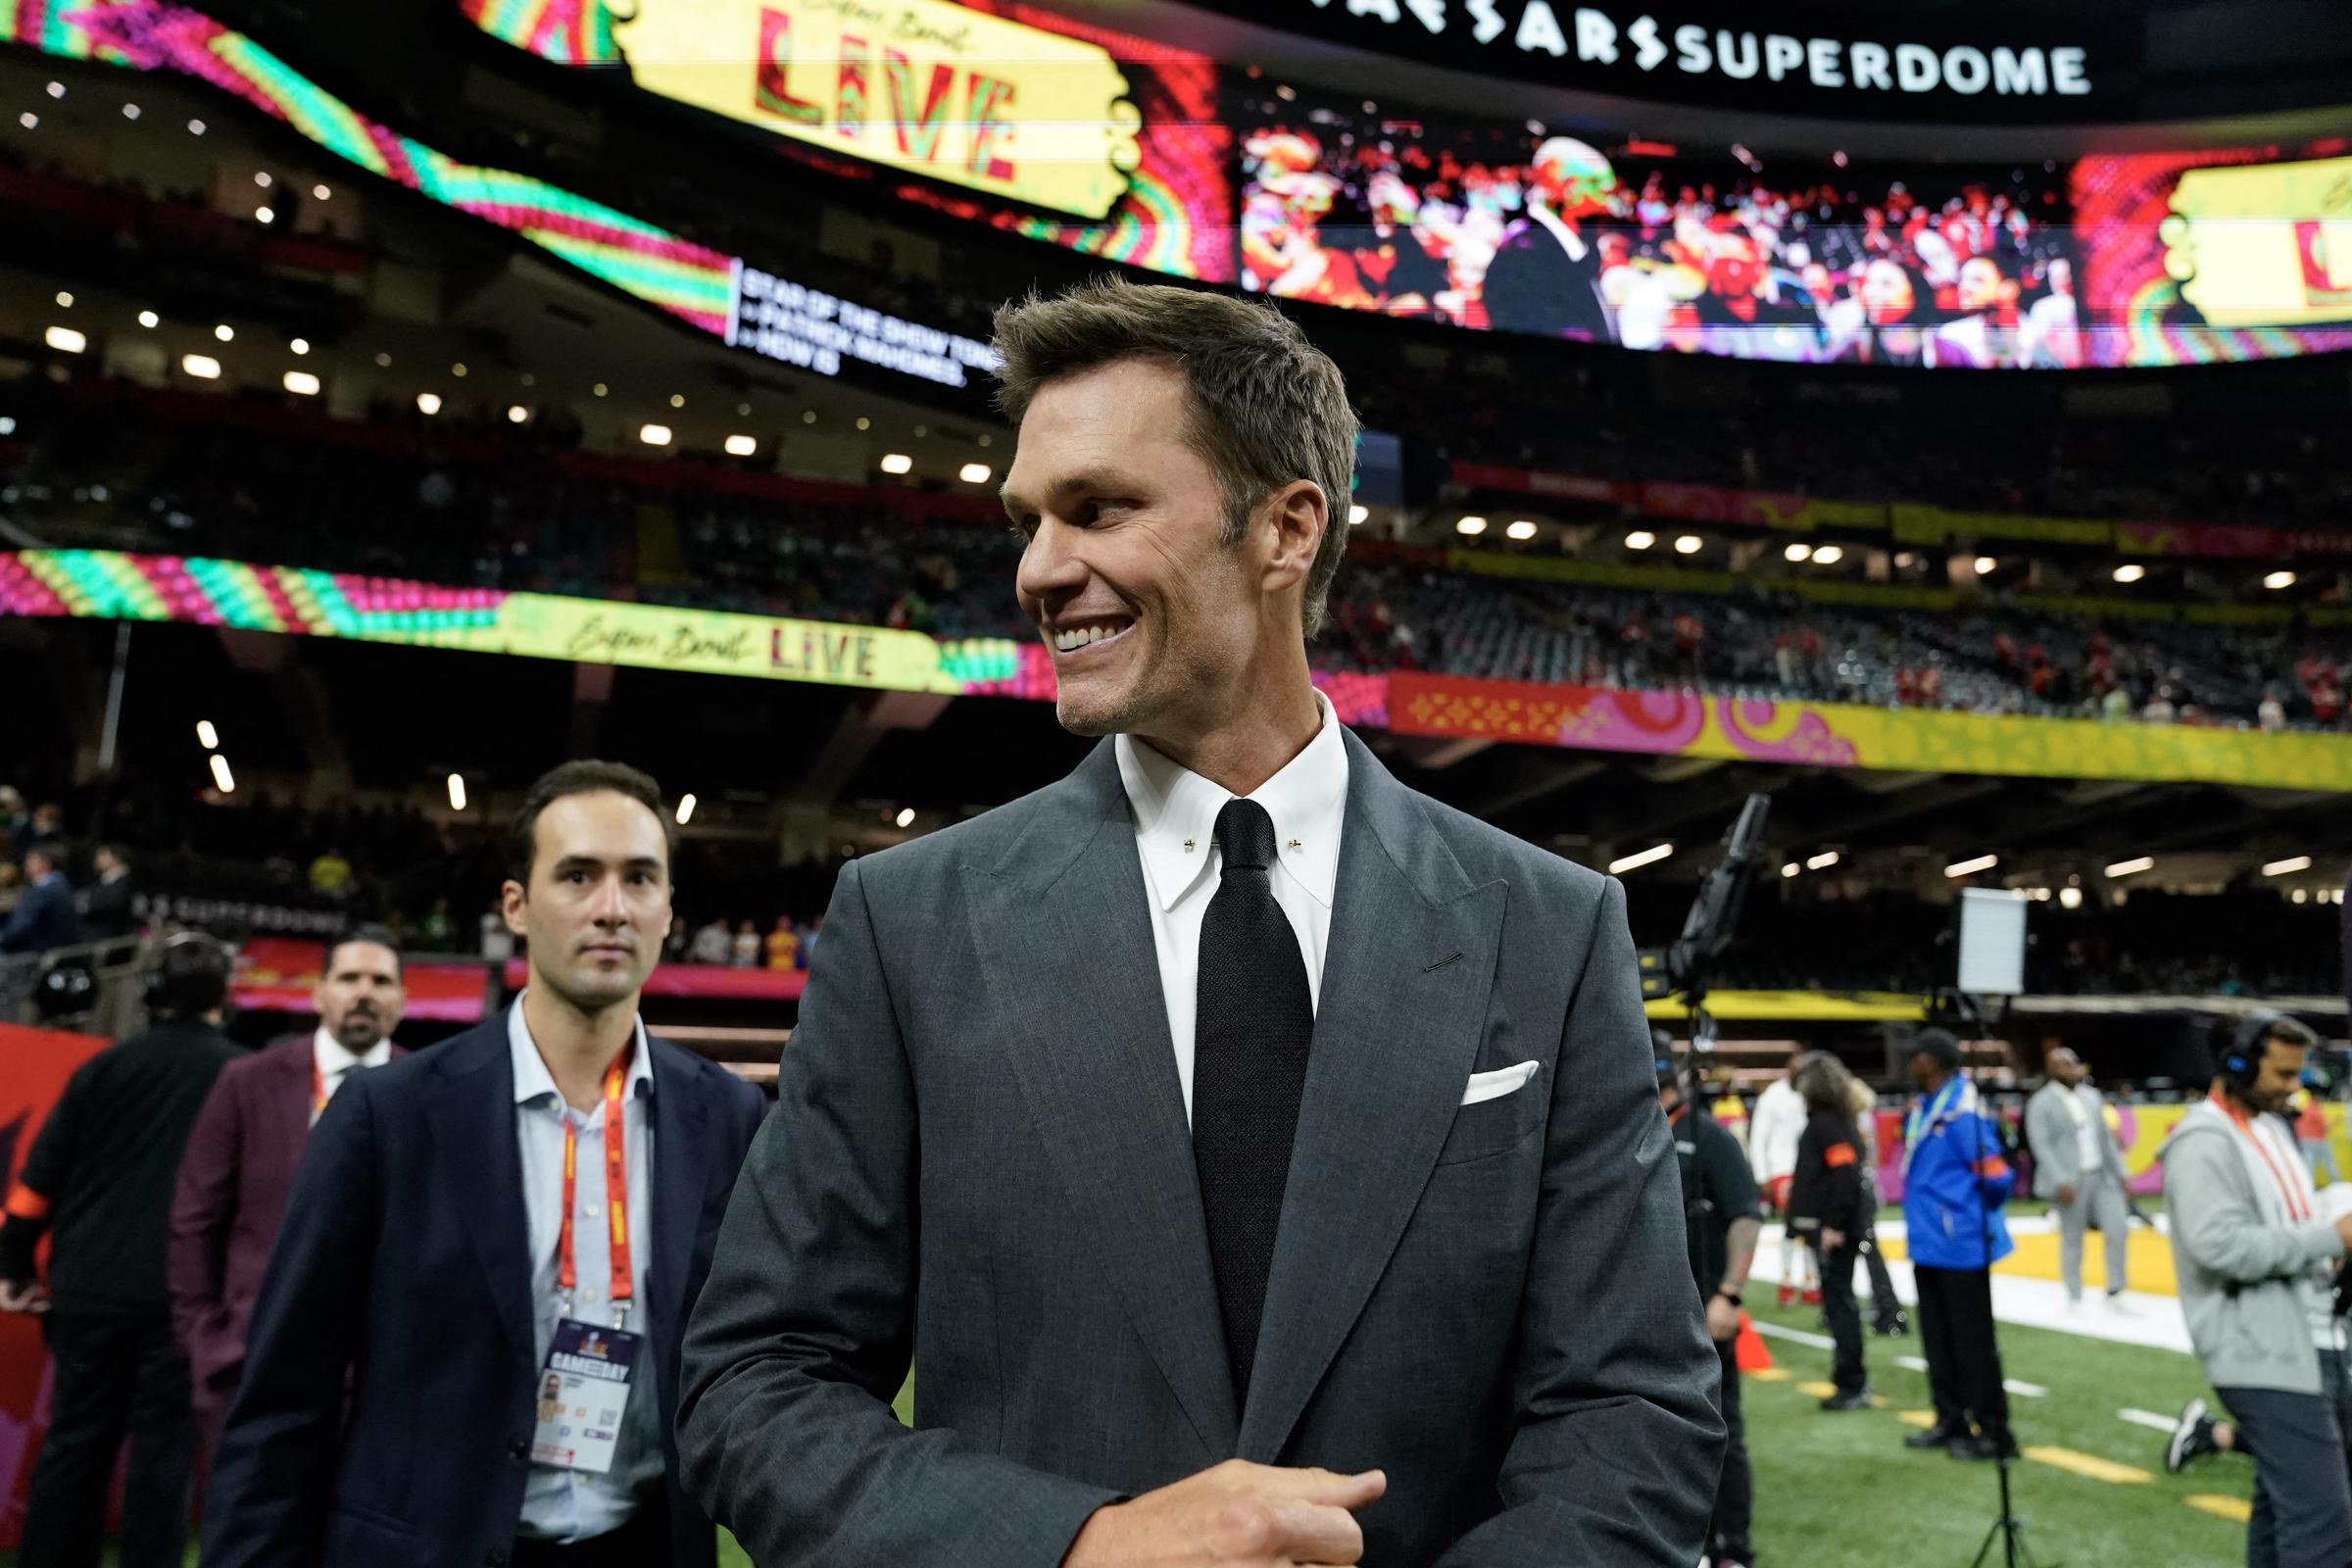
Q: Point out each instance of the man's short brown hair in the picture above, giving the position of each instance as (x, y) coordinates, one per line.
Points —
(583, 777)
(1265, 405)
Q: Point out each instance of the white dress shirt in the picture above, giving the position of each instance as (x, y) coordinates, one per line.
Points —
(335, 1064)
(569, 1505)
(1176, 838)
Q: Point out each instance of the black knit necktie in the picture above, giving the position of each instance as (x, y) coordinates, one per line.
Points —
(1250, 1040)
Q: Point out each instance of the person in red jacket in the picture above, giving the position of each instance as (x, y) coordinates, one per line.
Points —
(241, 1154)
(1824, 1206)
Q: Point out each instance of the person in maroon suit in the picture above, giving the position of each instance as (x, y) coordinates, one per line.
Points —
(241, 1155)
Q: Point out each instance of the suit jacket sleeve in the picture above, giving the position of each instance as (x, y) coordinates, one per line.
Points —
(2057, 1151)
(804, 1331)
(275, 1469)
(1617, 1442)
(203, 1210)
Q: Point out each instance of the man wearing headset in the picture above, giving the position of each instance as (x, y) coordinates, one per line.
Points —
(2256, 1263)
(99, 1180)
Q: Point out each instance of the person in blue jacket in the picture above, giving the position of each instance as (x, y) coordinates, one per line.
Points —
(1956, 1176)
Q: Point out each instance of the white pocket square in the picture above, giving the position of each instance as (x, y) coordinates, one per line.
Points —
(1485, 1085)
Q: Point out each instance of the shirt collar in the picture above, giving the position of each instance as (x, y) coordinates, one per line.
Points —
(333, 1059)
(533, 1080)
(1176, 808)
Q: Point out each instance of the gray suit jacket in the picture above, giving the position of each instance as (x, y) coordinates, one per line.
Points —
(2050, 1133)
(980, 1160)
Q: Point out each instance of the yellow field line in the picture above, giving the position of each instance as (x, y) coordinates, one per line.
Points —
(2089, 1464)
(2237, 1510)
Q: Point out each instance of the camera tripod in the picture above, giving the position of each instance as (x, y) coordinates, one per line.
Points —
(2009, 1529)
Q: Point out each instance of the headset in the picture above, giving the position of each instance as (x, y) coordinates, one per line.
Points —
(2241, 1060)
(191, 975)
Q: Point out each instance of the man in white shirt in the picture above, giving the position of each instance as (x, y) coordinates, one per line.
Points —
(1773, 1130)
(1242, 1137)
(2079, 1166)
(242, 1152)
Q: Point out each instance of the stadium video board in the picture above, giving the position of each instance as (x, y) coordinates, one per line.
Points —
(1514, 225)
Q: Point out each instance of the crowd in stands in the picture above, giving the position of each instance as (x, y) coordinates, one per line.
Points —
(477, 506)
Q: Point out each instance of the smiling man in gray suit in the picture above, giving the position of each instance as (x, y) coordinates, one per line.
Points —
(1261, 1160)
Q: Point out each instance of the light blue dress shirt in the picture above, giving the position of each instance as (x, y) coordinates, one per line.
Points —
(569, 1505)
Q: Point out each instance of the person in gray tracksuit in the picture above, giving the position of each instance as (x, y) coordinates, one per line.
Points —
(2079, 1166)
(2255, 1264)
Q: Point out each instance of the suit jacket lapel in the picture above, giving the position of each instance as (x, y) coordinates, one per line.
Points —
(470, 1110)
(679, 1175)
(1062, 924)
(1397, 1025)
(290, 1108)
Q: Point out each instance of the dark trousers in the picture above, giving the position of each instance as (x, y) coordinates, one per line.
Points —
(1964, 1363)
(2302, 1457)
(642, 1543)
(112, 1375)
(1885, 1304)
(1735, 1491)
(1844, 1317)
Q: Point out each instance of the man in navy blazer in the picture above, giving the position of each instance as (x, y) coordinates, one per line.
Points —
(44, 917)
(391, 1413)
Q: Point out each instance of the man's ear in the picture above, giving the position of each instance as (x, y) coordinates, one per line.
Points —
(1295, 519)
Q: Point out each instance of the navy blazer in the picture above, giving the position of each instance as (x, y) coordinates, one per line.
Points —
(403, 1270)
(43, 919)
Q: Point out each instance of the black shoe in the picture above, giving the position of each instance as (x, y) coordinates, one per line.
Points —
(1890, 1325)
(2192, 1438)
(1935, 1438)
(1857, 1399)
(1981, 1447)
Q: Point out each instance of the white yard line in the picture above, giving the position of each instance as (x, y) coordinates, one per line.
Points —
(1818, 1342)
(2149, 1419)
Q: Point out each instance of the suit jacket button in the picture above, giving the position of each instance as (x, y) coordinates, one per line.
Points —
(518, 1451)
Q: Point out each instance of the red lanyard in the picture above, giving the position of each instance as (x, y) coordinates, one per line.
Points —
(617, 1189)
(2296, 1207)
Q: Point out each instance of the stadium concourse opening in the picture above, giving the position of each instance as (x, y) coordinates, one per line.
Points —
(545, 601)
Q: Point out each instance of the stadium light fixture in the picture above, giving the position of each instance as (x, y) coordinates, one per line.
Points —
(457, 791)
(1688, 543)
(2300, 894)
(677, 400)
(686, 804)
(1790, 870)
(1823, 861)
(865, 424)
(741, 446)
(808, 415)
(65, 301)
(65, 340)
(195, 127)
(30, 120)
(224, 334)
(2134, 866)
(2070, 897)
(265, 214)
(517, 414)
(203, 367)
(132, 112)
(223, 779)
(906, 817)
(301, 346)
(897, 462)
(1986, 566)
(1639, 858)
(205, 736)
(2278, 580)
(1522, 530)
(383, 361)
(2289, 866)
(148, 319)
(974, 472)
(320, 193)
(2039, 894)
(654, 435)
(1828, 554)
(1640, 539)
(2130, 571)
(57, 89)
(1356, 515)
(600, 389)
(428, 403)
(459, 370)
(302, 383)
(1797, 552)
(1470, 527)
(1970, 867)
(8, 425)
